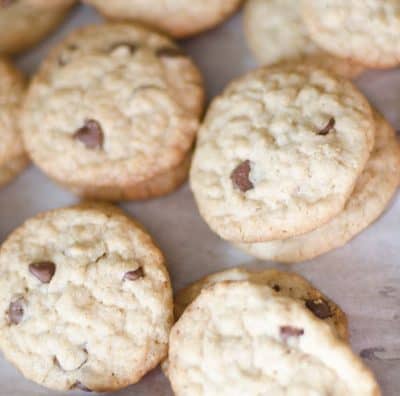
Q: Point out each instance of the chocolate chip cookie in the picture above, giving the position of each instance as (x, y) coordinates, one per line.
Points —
(13, 158)
(86, 300)
(279, 152)
(175, 17)
(241, 338)
(276, 32)
(285, 284)
(113, 113)
(372, 194)
(26, 22)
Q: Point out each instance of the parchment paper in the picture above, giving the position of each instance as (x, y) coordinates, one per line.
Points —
(363, 277)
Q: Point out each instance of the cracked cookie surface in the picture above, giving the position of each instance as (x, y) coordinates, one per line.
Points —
(85, 298)
(130, 116)
(239, 338)
(176, 17)
(366, 31)
(13, 158)
(373, 191)
(279, 152)
(285, 284)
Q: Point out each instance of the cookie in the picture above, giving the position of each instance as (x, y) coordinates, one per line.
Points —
(373, 192)
(279, 152)
(157, 186)
(86, 299)
(366, 31)
(275, 32)
(241, 338)
(175, 17)
(13, 158)
(285, 284)
(122, 129)
(29, 21)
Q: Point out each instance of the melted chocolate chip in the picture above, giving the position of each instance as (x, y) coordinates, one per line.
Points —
(134, 275)
(240, 177)
(131, 46)
(16, 311)
(289, 331)
(169, 52)
(80, 386)
(319, 308)
(44, 271)
(277, 288)
(328, 127)
(91, 135)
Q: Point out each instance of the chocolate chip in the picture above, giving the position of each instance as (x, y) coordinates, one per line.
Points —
(169, 52)
(319, 308)
(240, 177)
(328, 127)
(16, 311)
(134, 275)
(277, 288)
(44, 270)
(289, 331)
(131, 46)
(80, 386)
(91, 135)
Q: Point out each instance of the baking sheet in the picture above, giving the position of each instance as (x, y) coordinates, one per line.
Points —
(363, 277)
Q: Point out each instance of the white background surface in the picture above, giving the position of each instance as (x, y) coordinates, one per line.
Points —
(363, 277)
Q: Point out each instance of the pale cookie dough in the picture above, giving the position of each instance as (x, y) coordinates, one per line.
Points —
(178, 18)
(366, 31)
(286, 284)
(373, 192)
(113, 113)
(275, 32)
(85, 298)
(12, 153)
(242, 339)
(279, 153)
(24, 23)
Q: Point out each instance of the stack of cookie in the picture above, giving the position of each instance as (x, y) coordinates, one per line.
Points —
(262, 333)
(291, 162)
(113, 113)
(342, 36)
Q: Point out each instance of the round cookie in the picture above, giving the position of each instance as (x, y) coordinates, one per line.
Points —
(240, 338)
(86, 299)
(29, 21)
(275, 32)
(373, 192)
(12, 153)
(285, 284)
(175, 17)
(279, 152)
(366, 31)
(122, 129)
